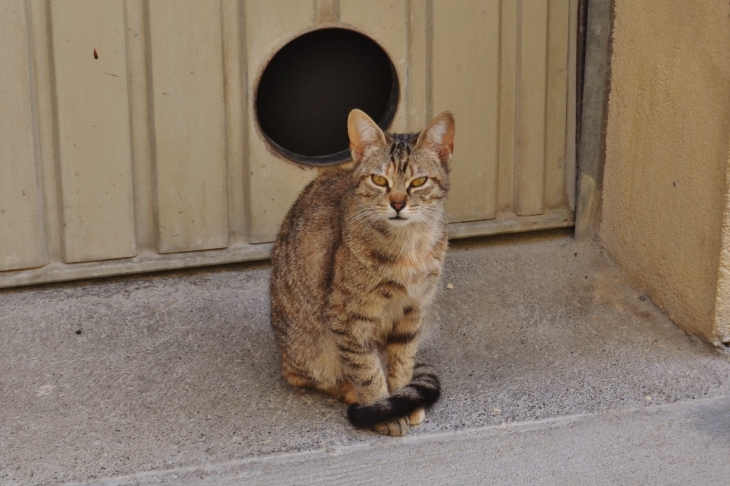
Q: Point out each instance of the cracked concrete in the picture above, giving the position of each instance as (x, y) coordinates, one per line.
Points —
(173, 379)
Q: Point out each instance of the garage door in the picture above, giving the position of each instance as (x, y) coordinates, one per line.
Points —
(130, 139)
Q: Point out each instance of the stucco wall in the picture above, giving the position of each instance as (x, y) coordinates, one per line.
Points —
(667, 153)
(722, 301)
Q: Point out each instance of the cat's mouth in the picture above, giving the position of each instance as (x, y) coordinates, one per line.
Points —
(398, 221)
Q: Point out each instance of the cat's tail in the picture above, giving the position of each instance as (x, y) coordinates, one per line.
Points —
(422, 392)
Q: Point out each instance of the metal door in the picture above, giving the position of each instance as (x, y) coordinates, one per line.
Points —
(129, 142)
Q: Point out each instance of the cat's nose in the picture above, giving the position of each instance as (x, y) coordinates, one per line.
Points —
(397, 205)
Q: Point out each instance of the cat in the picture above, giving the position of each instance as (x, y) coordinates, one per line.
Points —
(354, 268)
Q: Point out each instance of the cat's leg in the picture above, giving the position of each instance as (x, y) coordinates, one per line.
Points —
(295, 376)
(401, 348)
(359, 355)
(344, 390)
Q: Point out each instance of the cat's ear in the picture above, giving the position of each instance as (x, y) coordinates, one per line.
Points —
(439, 136)
(364, 133)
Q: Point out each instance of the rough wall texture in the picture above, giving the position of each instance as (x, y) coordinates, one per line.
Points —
(722, 302)
(667, 152)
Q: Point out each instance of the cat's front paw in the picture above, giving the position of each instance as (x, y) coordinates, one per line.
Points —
(394, 428)
(417, 417)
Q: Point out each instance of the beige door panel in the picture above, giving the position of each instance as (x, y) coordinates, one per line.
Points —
(149, 156)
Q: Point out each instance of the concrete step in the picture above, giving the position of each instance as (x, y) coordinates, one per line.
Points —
(137, 379)
(678, 444)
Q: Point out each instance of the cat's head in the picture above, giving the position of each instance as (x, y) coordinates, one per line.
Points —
(401, 178)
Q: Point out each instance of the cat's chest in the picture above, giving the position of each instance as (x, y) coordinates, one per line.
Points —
(418, 280)
(418, 270)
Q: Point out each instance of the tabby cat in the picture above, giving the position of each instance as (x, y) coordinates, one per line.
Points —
(355, 267)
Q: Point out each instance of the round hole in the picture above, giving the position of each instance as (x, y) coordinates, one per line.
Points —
(309, 87)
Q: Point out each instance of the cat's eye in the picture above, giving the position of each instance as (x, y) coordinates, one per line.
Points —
(418, 182)
(380, 180)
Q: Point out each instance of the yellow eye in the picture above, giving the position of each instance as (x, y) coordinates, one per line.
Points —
(380, 180)
(418, 182)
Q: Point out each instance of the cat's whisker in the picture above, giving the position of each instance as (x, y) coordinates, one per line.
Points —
(360, 217)
(357, 219)
(365, 220)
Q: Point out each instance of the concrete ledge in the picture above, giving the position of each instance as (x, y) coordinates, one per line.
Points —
(134, 377)
(640, 446)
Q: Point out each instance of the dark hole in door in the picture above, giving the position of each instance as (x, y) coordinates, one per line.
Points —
(311, 84)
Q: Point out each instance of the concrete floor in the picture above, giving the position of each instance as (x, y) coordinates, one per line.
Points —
(554, 371)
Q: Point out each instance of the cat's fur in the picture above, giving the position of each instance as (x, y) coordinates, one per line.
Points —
(350, 284)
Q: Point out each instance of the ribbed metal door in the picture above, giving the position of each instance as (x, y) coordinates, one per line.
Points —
(128, 140)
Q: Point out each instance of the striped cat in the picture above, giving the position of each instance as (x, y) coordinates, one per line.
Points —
(355, 267)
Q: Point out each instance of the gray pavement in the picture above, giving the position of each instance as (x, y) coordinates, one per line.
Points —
(679, 444)
(554, 370)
